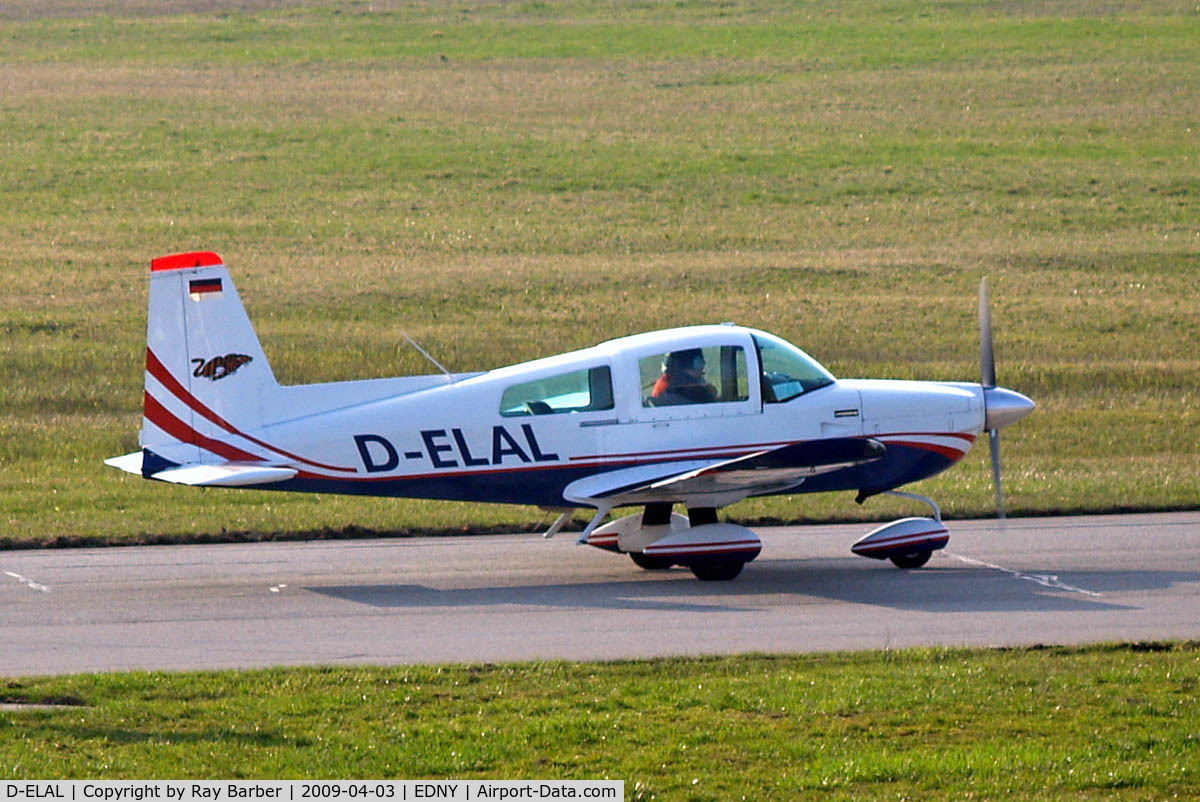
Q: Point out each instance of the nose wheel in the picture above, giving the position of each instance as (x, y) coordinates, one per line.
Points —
(911, 559)
(721, 571)
(909, 542)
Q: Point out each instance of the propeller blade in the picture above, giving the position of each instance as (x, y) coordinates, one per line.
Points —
(994, 438)
(987, 369)
(987, 356)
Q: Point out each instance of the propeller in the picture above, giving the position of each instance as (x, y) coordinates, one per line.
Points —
(1001, 406)
(987, 369)
(987, 356)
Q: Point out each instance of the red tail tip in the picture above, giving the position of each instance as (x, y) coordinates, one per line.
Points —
(178, 261)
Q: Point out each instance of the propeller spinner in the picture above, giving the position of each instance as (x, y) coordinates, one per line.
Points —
(1001, 406)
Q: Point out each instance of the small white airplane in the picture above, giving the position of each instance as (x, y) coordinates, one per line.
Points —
(702, 416)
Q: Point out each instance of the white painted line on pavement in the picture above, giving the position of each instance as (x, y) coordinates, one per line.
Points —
(1045, 580)
(27, 582)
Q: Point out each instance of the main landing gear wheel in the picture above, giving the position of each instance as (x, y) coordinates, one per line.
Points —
(650, 563)
(721, 571)
(911, 559)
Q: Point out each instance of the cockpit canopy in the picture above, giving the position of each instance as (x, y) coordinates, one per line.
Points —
(713, 365)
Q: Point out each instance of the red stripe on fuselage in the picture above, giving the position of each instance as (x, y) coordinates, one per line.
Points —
(747, 448)
(161, 417)
(159, 371)
(970, 438)
(952, 454)
(740, 449)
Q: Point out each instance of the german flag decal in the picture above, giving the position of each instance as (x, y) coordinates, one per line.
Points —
(201, 289)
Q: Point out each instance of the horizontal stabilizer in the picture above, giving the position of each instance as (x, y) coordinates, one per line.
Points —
(130, 463)
(228, 474)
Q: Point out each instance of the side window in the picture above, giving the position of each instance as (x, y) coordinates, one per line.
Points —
(713, 375)
(579, 391)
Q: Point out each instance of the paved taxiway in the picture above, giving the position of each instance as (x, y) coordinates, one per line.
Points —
(517, 597)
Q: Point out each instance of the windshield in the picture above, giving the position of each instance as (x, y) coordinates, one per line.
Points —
(786, 370)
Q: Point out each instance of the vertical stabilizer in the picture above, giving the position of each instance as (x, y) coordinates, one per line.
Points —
(206, 373)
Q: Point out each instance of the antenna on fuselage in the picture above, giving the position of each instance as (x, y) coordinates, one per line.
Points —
(425, 354)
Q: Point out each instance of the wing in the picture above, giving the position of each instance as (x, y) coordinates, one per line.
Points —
(721, 482)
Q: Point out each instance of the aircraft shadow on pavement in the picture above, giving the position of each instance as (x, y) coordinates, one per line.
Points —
(669, 595)
(782, 583)
(957, 589)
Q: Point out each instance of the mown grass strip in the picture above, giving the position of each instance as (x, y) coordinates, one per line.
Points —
(1103, 722)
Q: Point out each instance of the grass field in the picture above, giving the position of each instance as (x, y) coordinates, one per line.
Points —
(504, 181)
(1094, 723)
(507, 180)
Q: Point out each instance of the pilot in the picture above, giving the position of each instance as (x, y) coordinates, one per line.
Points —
(682, 380)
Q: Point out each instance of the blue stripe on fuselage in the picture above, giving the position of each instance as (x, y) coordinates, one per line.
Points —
(901, 465)
(543, 485)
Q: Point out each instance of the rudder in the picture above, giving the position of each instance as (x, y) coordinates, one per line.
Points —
(205, 367)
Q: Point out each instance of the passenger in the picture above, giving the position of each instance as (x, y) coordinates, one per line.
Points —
(682, 380)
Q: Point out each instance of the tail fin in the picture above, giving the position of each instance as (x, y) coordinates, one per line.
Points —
(211, 400)
(204, 363)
